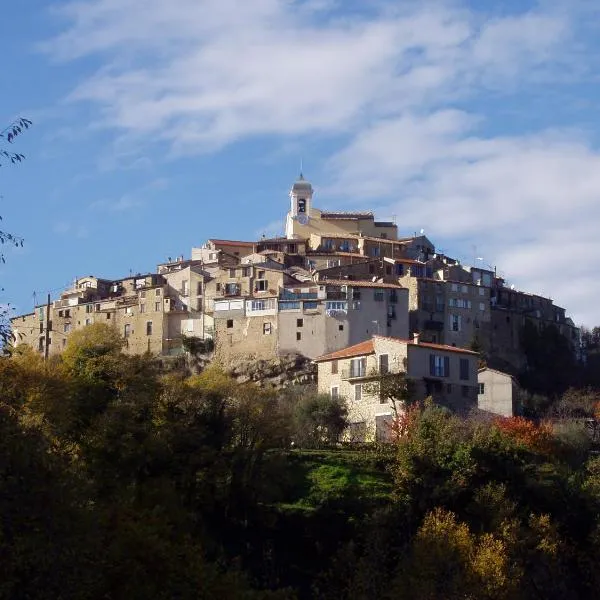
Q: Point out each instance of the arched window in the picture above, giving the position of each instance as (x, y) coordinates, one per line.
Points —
(301, 205)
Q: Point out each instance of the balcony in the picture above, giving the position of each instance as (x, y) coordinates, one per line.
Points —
(287, 295)
(231, 290)
(433, 325)
(336, 295)
(360, 373)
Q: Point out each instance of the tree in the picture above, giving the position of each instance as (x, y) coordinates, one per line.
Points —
(7, 137)
(319, 420)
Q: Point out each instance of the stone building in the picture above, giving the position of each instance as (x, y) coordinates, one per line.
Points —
(446, 373)
(498, 393)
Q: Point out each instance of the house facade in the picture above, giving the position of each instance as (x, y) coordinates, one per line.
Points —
(447, 374)
(498, 393)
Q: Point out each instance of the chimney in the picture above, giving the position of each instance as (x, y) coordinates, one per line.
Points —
(416, 338)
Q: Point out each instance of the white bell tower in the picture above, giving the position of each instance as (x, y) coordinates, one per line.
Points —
(300, 205)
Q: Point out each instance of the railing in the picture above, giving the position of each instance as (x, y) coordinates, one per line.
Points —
(357, 373)
(286, 295)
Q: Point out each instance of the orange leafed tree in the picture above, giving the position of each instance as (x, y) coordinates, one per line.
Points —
(535, 436)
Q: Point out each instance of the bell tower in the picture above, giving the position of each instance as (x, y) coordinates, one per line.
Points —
(300, 205)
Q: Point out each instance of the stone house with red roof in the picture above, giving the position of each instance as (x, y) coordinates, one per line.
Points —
(446, 373)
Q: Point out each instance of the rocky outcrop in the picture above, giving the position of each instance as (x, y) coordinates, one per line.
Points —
(287, 370)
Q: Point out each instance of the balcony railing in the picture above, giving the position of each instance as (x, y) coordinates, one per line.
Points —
(357, 373)
(286, 295)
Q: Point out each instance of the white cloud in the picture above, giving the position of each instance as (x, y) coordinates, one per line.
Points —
(202, 74)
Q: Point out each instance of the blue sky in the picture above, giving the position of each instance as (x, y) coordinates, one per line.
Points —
(160, 124)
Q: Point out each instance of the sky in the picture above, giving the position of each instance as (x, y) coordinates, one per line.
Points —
(158, 125)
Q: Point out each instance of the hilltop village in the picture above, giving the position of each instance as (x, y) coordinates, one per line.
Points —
(341, 289)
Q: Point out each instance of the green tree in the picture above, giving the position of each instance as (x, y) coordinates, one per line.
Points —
(318, 420)
(7, 156)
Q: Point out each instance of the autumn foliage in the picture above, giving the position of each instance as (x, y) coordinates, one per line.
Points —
(536, 437)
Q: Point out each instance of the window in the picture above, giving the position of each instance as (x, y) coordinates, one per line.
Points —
(310, 305)
(376, 251)
(261, 285)
(301, 205)
(299, 322)
(340, 327)
(127, 330)
(60, 313)
(481, 388)
(229, 323)
(107, 316)
(67, 327)
(148, 327)
(465, 391)
(199, 289)
(64, 342)
(464, 289)
(481, 291)
(378, 295)
(261, 275)
(67, 314)
(266, 328)
(481, 306)
(245, 272)
(88, 321)
(231, 272)
(358, 392)
(334, 367)
(88, 308)
(258, 305)
(128, 310)
(464, 369)
(358, 367)
(184, 287)
(336, 305)
(455, 322)
(454, 287)
(158, 291)
(142, 308)
(383, 364)
(439, 366)
(157, 306)
(143, 294)
(335, 392)
(298, 336)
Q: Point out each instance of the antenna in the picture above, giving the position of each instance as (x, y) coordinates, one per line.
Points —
(301, 166)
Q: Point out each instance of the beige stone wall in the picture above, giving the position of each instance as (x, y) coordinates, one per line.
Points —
(250, 338)
(500, 393)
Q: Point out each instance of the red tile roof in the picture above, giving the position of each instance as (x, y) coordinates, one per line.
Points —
(359, 349)
(359, 283)
(231, 243)
(368, 347)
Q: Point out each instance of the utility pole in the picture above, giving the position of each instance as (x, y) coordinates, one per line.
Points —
(47, 340)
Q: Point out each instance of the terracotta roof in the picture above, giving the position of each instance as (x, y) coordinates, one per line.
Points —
(359, 283)
(359, 349)
(334, 254)
(367, 347)
(231, 242)
(428, 345)
(346, 215)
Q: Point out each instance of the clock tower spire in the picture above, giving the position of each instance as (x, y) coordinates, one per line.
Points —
(300, 205)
